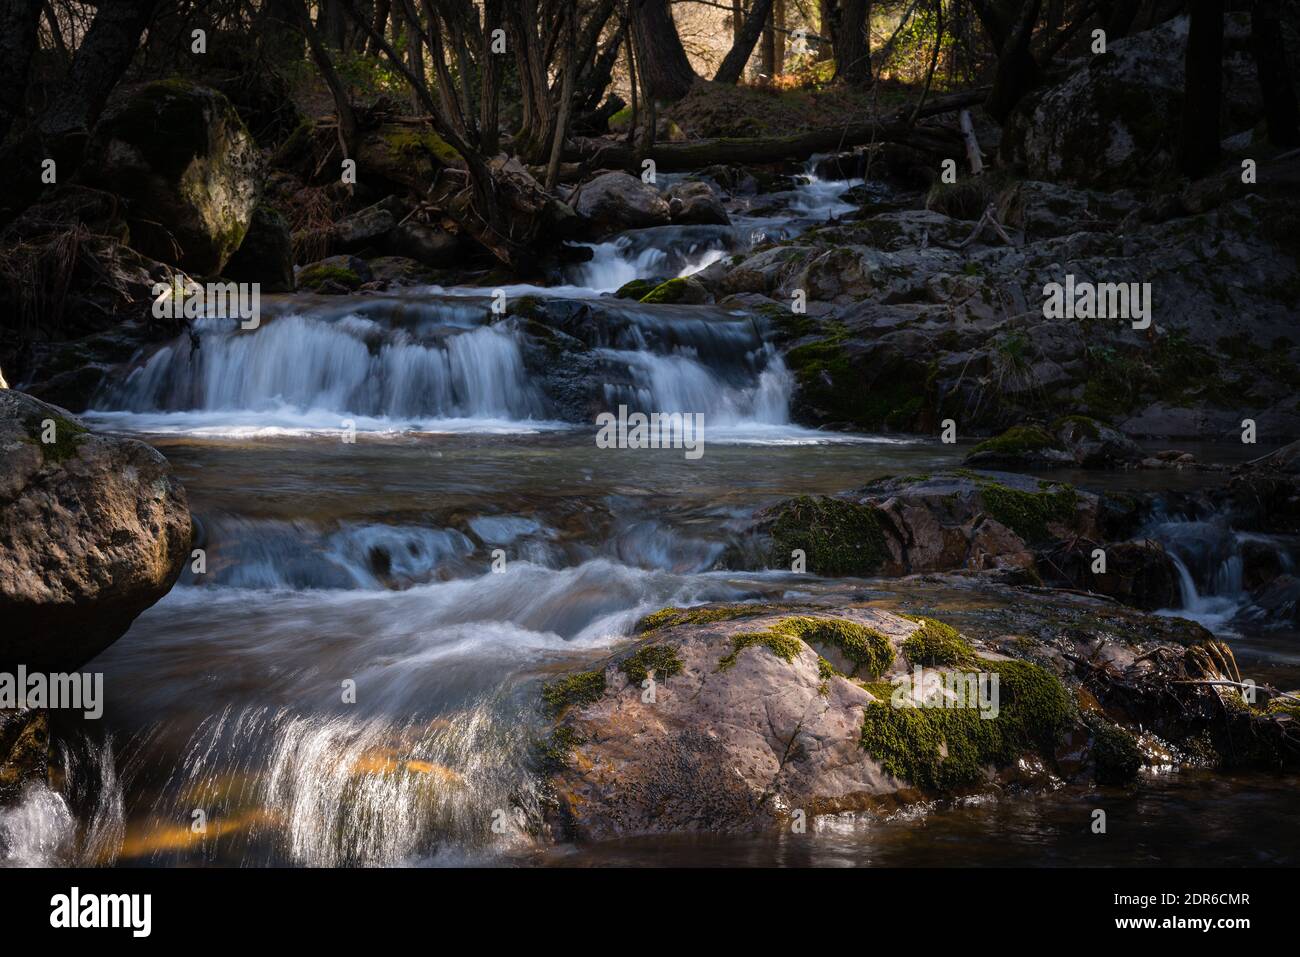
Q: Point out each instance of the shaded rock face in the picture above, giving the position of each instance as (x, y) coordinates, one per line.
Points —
(616, 201)
(181, 157)
(1115, 122)
(1140, 574)
(266, 254)
(119, 519)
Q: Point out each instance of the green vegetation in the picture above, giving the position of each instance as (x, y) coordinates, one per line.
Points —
(408, 141)
(1080, 425)
(670, 617)
(946, 748)
(784, 646)
(1114, 752)
(583, 688)
(67, 436)
(1019, 440)
(868, 649)
(1029, 513)
(838, 537)
(936, 643)
(556, 749)
(660, 659)
(315, 277)
(634, 289)
(667, 292)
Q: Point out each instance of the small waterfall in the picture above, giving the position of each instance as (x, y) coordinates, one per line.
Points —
(349, 366)
(1207, 557)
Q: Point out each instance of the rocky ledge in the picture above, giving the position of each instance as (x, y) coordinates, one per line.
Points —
(751, 716)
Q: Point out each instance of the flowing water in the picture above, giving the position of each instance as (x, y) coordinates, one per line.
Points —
(403, 535)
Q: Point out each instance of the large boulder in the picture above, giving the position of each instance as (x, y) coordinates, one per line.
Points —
(186, 165)
(727, 718)
(93, 530)
(266, 254)
(616, 201)
(1114, 122)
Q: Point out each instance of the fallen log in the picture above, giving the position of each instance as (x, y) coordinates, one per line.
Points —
(685, 157)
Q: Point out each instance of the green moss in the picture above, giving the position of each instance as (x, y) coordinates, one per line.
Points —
(1019, 440)
(669, 617)
(660, 659)
(407, 142)
(838, 537)
(943, 748)
(869, 650)
(825, 669)
(1114, 752)
(1082, 425)
(315, 277)
(556, 749)
(936, 643)
(634, 289)
(621, 119)
(67, 436)
(583, 688)
(1029, 513)
(784, 646)
(666, 292)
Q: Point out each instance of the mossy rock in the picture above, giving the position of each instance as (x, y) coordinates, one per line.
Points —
(838, 537)
(181, 157)
(1029, 514)
(582, 688)
(685, 291)
(1018, 441)
(660, 660)
(635, 289)
(935, 643)
(942, 749)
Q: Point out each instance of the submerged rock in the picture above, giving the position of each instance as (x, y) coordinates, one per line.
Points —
(119, 523)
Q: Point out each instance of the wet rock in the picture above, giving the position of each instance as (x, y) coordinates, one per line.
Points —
(266, 254)
(1138, 573)
(616, 201)
(695, 204)
(1278, 602)
(186, 165)
(1075, 440)
(922, 523)
(840, 166)
(120, 520)
(365, 229)
(24, 750)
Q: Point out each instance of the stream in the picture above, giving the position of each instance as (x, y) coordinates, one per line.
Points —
(358, 465)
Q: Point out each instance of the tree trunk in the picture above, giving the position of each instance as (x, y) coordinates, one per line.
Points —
(324, 62)
(490, 69)
(767, 52)
(737, 21)
(853, 43)
(682, 157)
(1017, 71)
(778, 37)
(18, 23)
(733, 65)
(1274, 75)
(666, 73)
(825, 27)
(566, 97)
(104, 54)
(1198, 144)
